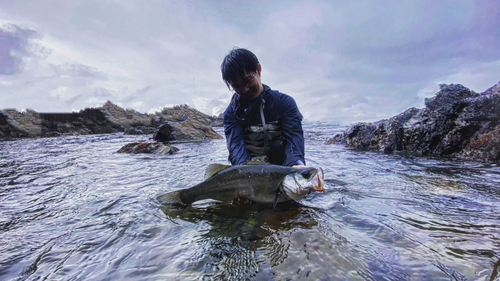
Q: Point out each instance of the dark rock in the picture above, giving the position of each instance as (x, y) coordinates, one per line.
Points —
(336, 139)
(140, 130)
(385, 135)
(217, 121)
(7, 130)
(148, 147)
(456, 122)
(450, 99)
(486, 147)
(189, 130)
(108, 118)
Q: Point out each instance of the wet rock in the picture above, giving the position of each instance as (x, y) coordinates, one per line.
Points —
(456, 122)
(148, 147)
(336, 139)
(188, 130)
(385, 135)
(486, 147)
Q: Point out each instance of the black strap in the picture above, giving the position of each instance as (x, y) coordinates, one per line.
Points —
(276, 199)
(264, 125)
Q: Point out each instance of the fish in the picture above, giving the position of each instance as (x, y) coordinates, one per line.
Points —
(259, 183)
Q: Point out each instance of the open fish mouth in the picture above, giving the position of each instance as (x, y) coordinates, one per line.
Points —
(304, 181)
(318, 181)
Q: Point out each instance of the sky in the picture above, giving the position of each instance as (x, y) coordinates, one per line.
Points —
(342, 61)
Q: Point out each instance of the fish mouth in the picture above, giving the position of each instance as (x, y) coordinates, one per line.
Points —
(318, 180)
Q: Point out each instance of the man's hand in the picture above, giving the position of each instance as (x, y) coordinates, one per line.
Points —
(298, 166)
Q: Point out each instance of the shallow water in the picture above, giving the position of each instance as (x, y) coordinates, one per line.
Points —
(73, 209)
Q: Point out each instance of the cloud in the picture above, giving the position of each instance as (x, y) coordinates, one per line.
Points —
(77, 70)
(342, 61)
(15, 48)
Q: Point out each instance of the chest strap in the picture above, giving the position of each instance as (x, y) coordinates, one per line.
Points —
(263, 124)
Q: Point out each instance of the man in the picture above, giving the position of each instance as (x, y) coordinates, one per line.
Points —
(260, 124)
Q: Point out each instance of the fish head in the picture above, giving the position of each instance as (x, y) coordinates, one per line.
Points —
(303, 181)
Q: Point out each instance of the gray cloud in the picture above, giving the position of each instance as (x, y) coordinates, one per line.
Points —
(13, 47)
(342, 61)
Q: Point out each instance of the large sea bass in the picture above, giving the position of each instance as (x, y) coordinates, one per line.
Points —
(259, 183)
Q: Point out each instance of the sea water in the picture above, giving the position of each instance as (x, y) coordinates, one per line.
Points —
(71, 208)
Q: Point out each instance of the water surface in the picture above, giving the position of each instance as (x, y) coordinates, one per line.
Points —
(71, 208)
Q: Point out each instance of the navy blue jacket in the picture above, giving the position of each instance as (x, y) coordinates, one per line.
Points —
(241, 114)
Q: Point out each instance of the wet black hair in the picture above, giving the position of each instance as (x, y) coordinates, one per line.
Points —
(238, 62)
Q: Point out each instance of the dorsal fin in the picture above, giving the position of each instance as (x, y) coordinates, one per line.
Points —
(214, 169)
(251, 162)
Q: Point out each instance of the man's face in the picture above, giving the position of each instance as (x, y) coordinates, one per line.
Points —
(249, 86)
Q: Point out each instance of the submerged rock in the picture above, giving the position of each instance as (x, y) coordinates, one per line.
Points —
(456, 122)
(148, 147)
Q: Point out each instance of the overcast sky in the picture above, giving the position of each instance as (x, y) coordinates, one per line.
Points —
(342, 61)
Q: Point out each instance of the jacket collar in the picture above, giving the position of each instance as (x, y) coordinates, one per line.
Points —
(235, 103)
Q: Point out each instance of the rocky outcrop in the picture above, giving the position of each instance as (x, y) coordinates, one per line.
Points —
(217, 121)
(33, 124)
(148, 147)
(185, 123)
(8, 130)
(185, 130)
(130, 121)
(109, 118)
(456, 122)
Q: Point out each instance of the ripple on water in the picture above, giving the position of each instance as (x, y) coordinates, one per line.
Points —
(73, 208)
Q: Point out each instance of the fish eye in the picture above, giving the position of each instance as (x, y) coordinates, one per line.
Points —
(306, 174)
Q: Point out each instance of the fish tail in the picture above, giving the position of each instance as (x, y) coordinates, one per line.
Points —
(171, 198)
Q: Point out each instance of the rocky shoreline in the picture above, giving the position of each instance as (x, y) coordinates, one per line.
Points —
(456, 122)
(109, 118)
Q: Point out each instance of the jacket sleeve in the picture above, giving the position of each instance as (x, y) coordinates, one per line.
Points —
(235, 139)
(293, 135)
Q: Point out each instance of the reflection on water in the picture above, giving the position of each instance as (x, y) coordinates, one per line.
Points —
(242, 239)
(73, 209)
